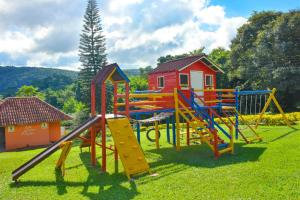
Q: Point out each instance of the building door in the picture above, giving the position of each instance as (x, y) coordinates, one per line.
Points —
(197, 84)
(2, 139)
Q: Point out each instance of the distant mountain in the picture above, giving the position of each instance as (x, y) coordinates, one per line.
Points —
(12, 78)
(132, 72)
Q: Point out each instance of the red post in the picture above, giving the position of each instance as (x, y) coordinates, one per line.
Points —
(93, 98)
(127, 99)
(103, 130)
(92, 130)
(115, 97)
(115, 112)
(188, 133)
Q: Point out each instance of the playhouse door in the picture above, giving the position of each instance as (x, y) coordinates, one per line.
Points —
(197, 84)
(2, 139)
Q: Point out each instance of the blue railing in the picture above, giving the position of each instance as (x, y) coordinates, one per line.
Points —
(207, 116)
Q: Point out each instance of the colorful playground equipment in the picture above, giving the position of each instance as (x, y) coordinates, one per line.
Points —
(198, 111)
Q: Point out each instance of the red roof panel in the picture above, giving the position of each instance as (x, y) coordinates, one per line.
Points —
(28, 110)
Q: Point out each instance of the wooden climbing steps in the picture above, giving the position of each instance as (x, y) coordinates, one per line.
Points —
(131, 154)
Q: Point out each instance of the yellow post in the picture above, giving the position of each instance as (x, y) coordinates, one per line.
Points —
(177, 119)
(265, 108)
(272, 97)
(281, 111)
(156, 134)
(60, 164)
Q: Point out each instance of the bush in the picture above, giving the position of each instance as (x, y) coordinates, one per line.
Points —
(268, 119)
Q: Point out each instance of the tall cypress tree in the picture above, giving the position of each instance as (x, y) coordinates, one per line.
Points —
(91, 50)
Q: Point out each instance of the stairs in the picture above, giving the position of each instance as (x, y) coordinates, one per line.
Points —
(203, 126)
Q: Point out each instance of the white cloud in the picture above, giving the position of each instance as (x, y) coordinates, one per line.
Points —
(46, 33)
(116, 5)
(214, 15)
(207, 26)
(15, 43)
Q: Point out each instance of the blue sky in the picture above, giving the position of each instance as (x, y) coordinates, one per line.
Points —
(45, 33)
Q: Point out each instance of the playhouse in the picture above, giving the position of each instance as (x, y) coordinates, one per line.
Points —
(28, 121)
(197, 72)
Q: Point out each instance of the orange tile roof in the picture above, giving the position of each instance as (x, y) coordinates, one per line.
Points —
(28, 110)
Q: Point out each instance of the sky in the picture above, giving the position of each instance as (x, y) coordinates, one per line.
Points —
(45, 33)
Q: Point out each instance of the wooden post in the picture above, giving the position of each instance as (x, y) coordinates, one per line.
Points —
(231, 128)
(138, 129)
(115, 97)
(173, 131)
(188, 133)
(103, 128)
(177, 119)
(216, 142)
(279, 108)
(156, 134)
(92, 129)
(272, 97)
(127, 99)
(168, 130)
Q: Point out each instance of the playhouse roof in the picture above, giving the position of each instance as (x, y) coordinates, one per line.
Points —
(28, 110)
(182, 63)
(112, 72)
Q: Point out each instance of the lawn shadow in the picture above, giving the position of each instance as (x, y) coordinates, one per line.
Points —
(284, 135)
(171, 161)
(108, 186)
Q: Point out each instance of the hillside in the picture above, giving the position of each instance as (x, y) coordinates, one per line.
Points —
(14, 77)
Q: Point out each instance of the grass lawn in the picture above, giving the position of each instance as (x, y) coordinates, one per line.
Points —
(265, 170)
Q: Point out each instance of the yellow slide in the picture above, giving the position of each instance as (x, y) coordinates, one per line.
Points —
(130, 152)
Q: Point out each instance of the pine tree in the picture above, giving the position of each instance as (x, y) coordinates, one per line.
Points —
(91, 50)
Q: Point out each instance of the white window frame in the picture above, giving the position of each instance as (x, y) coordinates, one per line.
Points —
(188, 81)
(163, 78)
(212, 80)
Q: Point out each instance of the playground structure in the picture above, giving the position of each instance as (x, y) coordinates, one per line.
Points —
(198, 111)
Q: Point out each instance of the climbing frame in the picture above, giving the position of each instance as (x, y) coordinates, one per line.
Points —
(131, 154)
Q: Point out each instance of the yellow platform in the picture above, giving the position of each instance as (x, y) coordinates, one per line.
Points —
(130, 152)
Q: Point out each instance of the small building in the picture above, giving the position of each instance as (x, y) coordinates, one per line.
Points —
(27, 122)
(197, 72)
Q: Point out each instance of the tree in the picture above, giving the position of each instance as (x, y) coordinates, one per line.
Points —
(145, 71)
(91, 51)
(138, 83)
(265, 53)
(221, 57)
(29, 91)
(243, 48)
(168, 58)
(72, 106)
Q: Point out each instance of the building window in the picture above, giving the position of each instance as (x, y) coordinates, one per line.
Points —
(184, 80)
(160, 82)
(11, 129)
(44, 125)
(209, 80)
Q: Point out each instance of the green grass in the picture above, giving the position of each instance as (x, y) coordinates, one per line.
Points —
(265, 170)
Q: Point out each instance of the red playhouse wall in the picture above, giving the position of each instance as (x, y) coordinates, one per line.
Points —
(31, 135)
(170, 83)
(172, 80)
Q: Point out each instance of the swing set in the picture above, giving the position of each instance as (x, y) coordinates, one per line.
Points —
(260, 101)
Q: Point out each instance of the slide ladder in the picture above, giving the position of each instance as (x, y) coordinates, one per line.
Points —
(131, 154)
